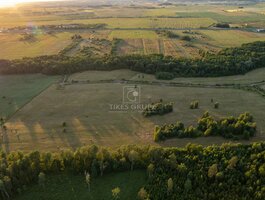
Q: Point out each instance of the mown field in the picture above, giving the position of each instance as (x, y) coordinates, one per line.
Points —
(66, 186)
(16, 90)
(86, 109)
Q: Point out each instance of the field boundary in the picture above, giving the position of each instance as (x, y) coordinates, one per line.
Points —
(31, 99)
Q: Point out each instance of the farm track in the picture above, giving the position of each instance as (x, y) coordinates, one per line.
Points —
(250, 87)
(132, 29)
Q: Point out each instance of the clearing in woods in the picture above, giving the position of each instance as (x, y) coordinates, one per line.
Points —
(67, 186)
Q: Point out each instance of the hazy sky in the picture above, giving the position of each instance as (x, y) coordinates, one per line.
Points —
(14, 2)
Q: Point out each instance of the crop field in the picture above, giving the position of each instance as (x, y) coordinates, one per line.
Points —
(67, 186)
(151, 46)
(131, 46)
(16, 90)
(12, 46)
(133, 34)
(90, 119)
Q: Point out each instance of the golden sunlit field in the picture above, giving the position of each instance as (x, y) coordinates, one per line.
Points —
(29, 31)
(13, 46)
(136, 27)
(128, 99)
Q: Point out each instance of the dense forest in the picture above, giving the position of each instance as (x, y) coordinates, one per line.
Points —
(229, 61)
(214, 172)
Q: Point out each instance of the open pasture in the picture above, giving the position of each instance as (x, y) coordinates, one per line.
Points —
(90, 119)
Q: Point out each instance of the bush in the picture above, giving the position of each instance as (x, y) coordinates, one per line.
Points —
(158, 109)
(222, 25)
(164, 75)
(186, 38)
(194, 105)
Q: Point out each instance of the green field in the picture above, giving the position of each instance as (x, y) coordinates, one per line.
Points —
(42, 44)
(16, 90)
(70, 187)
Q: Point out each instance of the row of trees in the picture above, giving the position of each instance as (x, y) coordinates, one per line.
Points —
(193, 172)
(241, 127)
(229, 61)
(158, 109)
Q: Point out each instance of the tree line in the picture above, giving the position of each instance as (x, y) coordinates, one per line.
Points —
(214, 172)
(230, 61)
(242, 127)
